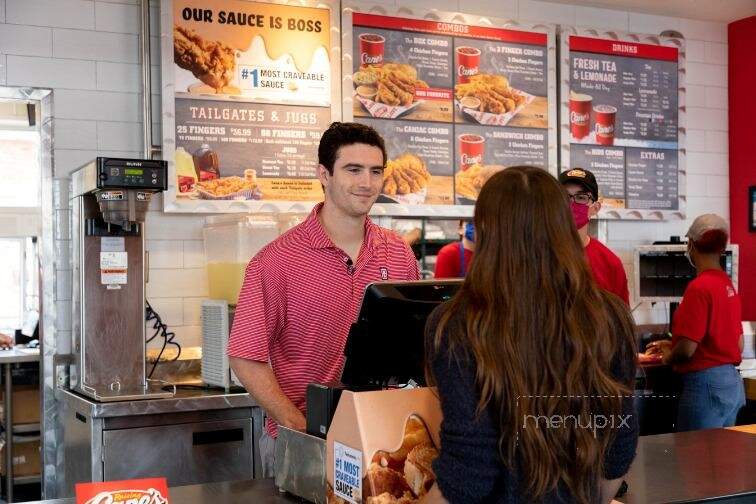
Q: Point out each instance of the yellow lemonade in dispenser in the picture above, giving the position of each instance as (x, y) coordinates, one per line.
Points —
(225, 280)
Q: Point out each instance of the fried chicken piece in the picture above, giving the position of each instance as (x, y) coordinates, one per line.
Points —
(387, 498)
(400, 68)
(211, 62)
(405, 97)
(386, 95)
(402, 185)
(417, 469)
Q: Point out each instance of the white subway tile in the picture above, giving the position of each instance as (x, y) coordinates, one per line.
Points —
(548, 12)
(97, 105)
(170, 309)
(154, 20)
(62, 224)
(160, 226)
(697, 185)
(63, 281)
(25, 40)
(194, 253)
(77, 14)
(189, 336)
(608, 19)
(718, 186)
(695, 51)
(126, 77)
(695, 96)
(2, 11)
(49, 72)
(74, 134)
(717, 141)
(165, 254)
(708, 119)
(695, 141)
(120, 136)
(707, 163)
(155, 82)
(193, 311)
(716, 53)
(61, 189)
(504, 9)
(177, 282)
(637, 232)
(66, 161)
(63, 315)
(3, 70)
(703, 30)
(706, 74)
(651, 24)
(117, 18)
(100, 46)
(716, 97)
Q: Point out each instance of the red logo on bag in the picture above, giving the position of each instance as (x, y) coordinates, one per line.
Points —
(139, 491)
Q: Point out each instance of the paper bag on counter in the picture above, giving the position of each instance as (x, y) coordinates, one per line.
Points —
(380, 446)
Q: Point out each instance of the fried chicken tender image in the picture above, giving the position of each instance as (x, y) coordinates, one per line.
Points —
(396, 83)
(493, 91)
(211, 62)
(405, 175)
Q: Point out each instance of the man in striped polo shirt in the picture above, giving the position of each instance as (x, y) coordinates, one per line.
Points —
(302, 291)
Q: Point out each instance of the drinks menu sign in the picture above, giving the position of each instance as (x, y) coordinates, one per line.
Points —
(621, 119)
(249, 92)
(456, 102)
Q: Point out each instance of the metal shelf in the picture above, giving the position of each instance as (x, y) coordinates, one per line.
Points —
(26, 480)
(25, 428)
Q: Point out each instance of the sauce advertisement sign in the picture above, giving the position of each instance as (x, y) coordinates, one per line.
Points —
(455, 102)
(252, 94)
(622, 120)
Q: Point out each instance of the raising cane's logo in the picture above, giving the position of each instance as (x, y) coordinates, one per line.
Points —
(468, 160)
(604, 129)
(463, 71)
(149, 496)
(372, 60)
(579, 119)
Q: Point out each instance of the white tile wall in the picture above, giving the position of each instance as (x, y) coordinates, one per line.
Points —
(49, 72)
(89, 56)
(74, 134)
(100, 46)
(26, 40)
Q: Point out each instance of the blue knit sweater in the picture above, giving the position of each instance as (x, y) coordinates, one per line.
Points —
(469, 469)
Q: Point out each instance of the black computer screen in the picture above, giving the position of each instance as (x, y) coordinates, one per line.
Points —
(387, 342)
(666, 273)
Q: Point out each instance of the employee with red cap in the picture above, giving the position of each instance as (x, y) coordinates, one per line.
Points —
(607, 269)
(707, 334)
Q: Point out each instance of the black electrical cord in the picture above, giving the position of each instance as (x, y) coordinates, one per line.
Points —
(160, 330)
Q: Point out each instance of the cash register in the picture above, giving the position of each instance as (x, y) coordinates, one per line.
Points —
(385, 348)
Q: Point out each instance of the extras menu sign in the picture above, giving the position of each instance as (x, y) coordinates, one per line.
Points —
(456, 102)
(621, 118)
(252, 91)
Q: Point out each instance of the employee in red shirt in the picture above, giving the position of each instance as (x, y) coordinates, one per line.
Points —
(453, 260)
(302, 291)
(606, 267)
(707, 335)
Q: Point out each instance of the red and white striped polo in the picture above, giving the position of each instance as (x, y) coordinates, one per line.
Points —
(300, 297)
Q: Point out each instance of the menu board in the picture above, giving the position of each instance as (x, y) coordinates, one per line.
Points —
(455, 102)
(252, 91)
(622, 119)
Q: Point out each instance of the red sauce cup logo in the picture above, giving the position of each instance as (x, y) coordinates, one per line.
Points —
(605, 117)
(468, 63)
(580, 115)
(471, 148)
(371, 49)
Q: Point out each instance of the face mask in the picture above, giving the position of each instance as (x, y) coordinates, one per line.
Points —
(470, 232)
(579, 214)
(687, 256)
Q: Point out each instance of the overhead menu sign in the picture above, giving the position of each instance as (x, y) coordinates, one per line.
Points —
(457, 99)
(621, 119)
(252, 91)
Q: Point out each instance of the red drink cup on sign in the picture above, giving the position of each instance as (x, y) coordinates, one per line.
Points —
(371, 49)
(468, 63)
(605, 116)
(471, 148)
(580, 115)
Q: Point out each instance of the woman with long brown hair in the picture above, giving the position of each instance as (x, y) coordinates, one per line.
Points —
(534, 364)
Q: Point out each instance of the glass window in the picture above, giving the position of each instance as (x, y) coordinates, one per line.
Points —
(19, 168)
(11, 283)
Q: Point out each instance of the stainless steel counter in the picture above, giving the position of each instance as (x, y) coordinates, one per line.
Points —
(184, 400)
(198, 436)
(694, 467)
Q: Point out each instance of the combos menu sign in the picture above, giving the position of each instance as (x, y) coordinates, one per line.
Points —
(623, 120)
(455, 102)
(253, 93)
